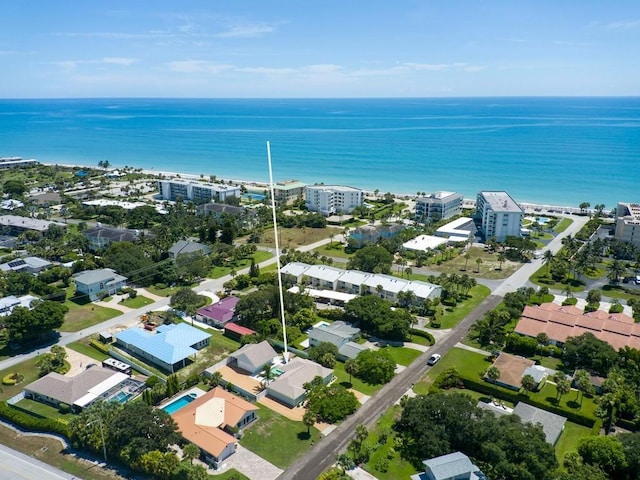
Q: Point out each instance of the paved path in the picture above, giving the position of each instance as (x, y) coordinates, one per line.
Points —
(251, 465)
(472, 349)
(15, 465)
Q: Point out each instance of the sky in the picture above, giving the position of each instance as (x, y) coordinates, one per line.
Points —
(309, 48)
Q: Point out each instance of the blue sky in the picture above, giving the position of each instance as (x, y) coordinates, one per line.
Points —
(333, 48)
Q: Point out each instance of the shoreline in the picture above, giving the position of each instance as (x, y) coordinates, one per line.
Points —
(467, 202)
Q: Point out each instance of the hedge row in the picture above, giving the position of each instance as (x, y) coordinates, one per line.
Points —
(423, 334)
(100, 346)
(515, 397)
(29, 422)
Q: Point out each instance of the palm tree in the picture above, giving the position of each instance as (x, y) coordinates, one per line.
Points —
(309, 419)
(583, 384)
(190, 452)
(467, 256)
(501, 258)
(478, 262)
(351, 367)
(216, 379)
(528, 383)
(268, 373)
(547, 258)
(492, 373)
(616, 270)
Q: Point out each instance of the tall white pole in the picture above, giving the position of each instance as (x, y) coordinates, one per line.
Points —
(275, 236)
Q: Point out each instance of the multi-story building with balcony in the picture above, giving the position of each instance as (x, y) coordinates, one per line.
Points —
(331, 199)
(499, 216)
(438, 206)
(628, 223)
(197, 192)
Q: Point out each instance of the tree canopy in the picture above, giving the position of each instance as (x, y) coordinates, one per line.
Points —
(330, 403)
(372, 258)
(589, 352)
(374, 366)
(377, 317)
(24, 325)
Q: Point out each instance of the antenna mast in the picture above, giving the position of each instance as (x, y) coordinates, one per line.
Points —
(285, 354)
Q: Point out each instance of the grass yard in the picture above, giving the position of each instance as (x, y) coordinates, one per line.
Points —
(27, 369)
(576, 285)
(162, 292)
(41, 410)
(84, 315)
(620, 292)
(231, 474)
(419, 340)
(277, 439)
(385, 462)
(569, 439)
(137, 302)
(562, 225)
(468, 363)
(489, 268)
(83, 347)
(356, 384)
(403, 355)
(219, 347)
(292, 237)
(451, 319)
(334, 249)
(51, 452)
(221, 271)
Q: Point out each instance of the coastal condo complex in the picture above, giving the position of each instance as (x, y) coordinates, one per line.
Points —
(628, 223)
(438, 206)
(197, 192)
(288, 191)
(499, 215)
(330, 199)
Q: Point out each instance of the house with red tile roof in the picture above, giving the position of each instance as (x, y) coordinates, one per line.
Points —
(561, 322)
(208, 421)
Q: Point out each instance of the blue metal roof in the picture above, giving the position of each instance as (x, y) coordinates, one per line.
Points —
(170, 344)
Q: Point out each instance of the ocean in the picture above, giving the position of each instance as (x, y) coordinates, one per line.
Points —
(557, 151)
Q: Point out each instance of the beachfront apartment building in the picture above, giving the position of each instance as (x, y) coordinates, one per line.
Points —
(197, 192)
(332, 199)
(288, 192)
(14, 162)
(438, 206)
(628, 223)
(498, 215)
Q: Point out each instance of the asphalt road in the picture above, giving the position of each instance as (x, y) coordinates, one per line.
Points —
(18, 466)
(324, 453)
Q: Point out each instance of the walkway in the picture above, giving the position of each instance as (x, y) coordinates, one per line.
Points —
(251, 465)
(472, 349)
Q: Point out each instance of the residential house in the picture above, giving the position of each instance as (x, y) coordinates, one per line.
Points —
(80, 391)
(253, 357)
(551, 423)
(513, 367)
(351, 281)
(236, 332)
(7, 304)
(197, 192)
(323, 276)
(185, 247)
(245, 217)
(209, 421)
(27, 264)
(628, 223)
(499, 216)
(332, 199)
(560, 322)
(100, 237)
(15, 225)
(220, 313)
(98, 283)
(453, 466)
(438, 206)
(384, 286)
(169, 347)
(340, 334)
(289, 389)
(11, 204)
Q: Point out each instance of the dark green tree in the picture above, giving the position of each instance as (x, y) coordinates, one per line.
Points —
(375, 366)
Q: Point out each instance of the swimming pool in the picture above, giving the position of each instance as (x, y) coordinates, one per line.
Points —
(253, 196)
(121, 397)
(181, 402)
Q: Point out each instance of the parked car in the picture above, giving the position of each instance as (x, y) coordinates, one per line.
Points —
(435, 358)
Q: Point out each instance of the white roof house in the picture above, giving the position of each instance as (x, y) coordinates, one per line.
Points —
(289, 387)
(453, 466)
(295, 269)
(423, 243)
(390, 286)
(423, 290)
(352, 280)
(323, 276)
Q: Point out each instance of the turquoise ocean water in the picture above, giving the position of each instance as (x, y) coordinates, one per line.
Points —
(559, 151)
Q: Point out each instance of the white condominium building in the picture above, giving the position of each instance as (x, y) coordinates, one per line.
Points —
(500, 216)
(437, 206)
(288, 191)
(628, 223)
(197, 192)
(331, 199)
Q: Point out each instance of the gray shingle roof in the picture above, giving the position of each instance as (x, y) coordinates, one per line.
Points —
(89, 277)
(185, 246)
(256, 354)
(70, 389)
(551, 423)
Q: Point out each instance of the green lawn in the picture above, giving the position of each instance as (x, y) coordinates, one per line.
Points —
(385, 462)
(83, 347)
(403, 355)
(221, 271)
(334, 249)
(27, 369)
(219, 347)
(562, 225)
(619, 292)
(137, 302)
(277, 439)
(231, 474)
(451, 319)
(41, 410)
(419, 340)
(356, 384)
(162, 292)
(489, 267)
(83, 315)
(569, 439)
(468, 363)
(576, 285)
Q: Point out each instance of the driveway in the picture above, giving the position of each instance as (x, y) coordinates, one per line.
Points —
(251, 465)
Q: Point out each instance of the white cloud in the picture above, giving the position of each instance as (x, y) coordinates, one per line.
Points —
(247, 31)
(268, 70)
(125, 62)
(623, 25)
(195, 66)
(323, 68)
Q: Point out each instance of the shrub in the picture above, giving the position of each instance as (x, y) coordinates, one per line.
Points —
(423, 334)
(10, 379)
(64, 407)
(99, 346)
(616, 308)
(570, 301)
(32, 423)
